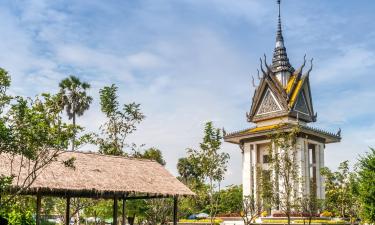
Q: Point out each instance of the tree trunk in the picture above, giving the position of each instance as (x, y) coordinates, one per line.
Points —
(74, 134)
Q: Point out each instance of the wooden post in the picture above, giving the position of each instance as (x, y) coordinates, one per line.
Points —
(175, 209)
(115, 210)
(124, 211)
(38, 207)
(67, 211)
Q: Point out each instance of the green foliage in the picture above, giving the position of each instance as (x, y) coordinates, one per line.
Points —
(284, 163)
(152, 154)
(33, 130)
(108, 100)
(341, 188)
(366, 190)
(20, 212)
(191, 205)
(74, 99)
(211, 162)
(120, 122)
(159, 211)
(188, 171)
(4, 85)
(74, 96)
(16, 218)
(251, 209)
(230, 199)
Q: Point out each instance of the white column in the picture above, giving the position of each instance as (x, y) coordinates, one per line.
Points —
(322, 186)
(307, 166)
(301, 164)
(246, 170)
(254, 163)
(317, 167)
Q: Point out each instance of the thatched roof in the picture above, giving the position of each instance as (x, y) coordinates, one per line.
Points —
(97, 175)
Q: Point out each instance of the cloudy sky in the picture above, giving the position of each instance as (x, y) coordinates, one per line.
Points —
(190, 61)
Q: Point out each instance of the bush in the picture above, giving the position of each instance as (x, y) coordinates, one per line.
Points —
(17, 218)
(326, 214)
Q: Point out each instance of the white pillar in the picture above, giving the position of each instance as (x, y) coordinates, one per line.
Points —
(246, 170)
(322, 186)
(307, 166)
(254, 164)
(317, 167)
(301, 164)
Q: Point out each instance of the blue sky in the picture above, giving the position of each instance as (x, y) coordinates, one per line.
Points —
(191, 61)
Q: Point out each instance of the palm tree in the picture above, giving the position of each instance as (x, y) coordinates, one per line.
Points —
(74, 98)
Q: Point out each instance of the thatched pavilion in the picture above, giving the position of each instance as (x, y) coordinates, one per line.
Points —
(98, 176)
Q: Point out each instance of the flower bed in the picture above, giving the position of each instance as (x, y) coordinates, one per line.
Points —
(201, 221)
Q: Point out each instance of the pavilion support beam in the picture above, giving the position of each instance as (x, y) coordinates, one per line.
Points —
(175, 209)
(38, 207)
(115, 210)
(67, 211)
(123, 211)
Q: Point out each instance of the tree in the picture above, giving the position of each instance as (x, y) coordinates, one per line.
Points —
(285, 166)
(151, 153)
(4, 85)
(251, 209)
(366, 175)
(33, 134)
(119, 124)
(310, 204)
(340, 191)
(212, 162)
(158, 211)
(187, 170)
(231, 200)
(74, 99)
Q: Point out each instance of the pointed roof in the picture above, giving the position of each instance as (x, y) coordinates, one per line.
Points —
(280, 60)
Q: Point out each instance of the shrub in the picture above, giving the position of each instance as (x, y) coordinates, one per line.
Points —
(326, 214)
(17, 218)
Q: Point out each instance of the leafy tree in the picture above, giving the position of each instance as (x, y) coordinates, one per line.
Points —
(310, 204)
(212, 162)
(159, 211)
(4, 85)
(366, 174)
(74, 99)
(120, 122)
(151, 153)
(251, 209)
(284, 162)
(341, 191)
(188, 171)
(265, 188)
(231, 199)
(33, 132)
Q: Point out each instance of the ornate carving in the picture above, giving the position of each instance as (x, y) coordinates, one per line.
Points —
(301, 105)
(269, 104)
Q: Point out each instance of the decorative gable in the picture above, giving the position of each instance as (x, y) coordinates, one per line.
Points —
(274, 100)
(301, 104)
(269, 104)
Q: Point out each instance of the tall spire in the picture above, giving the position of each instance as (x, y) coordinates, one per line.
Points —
(279, 34)
(280, 61)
